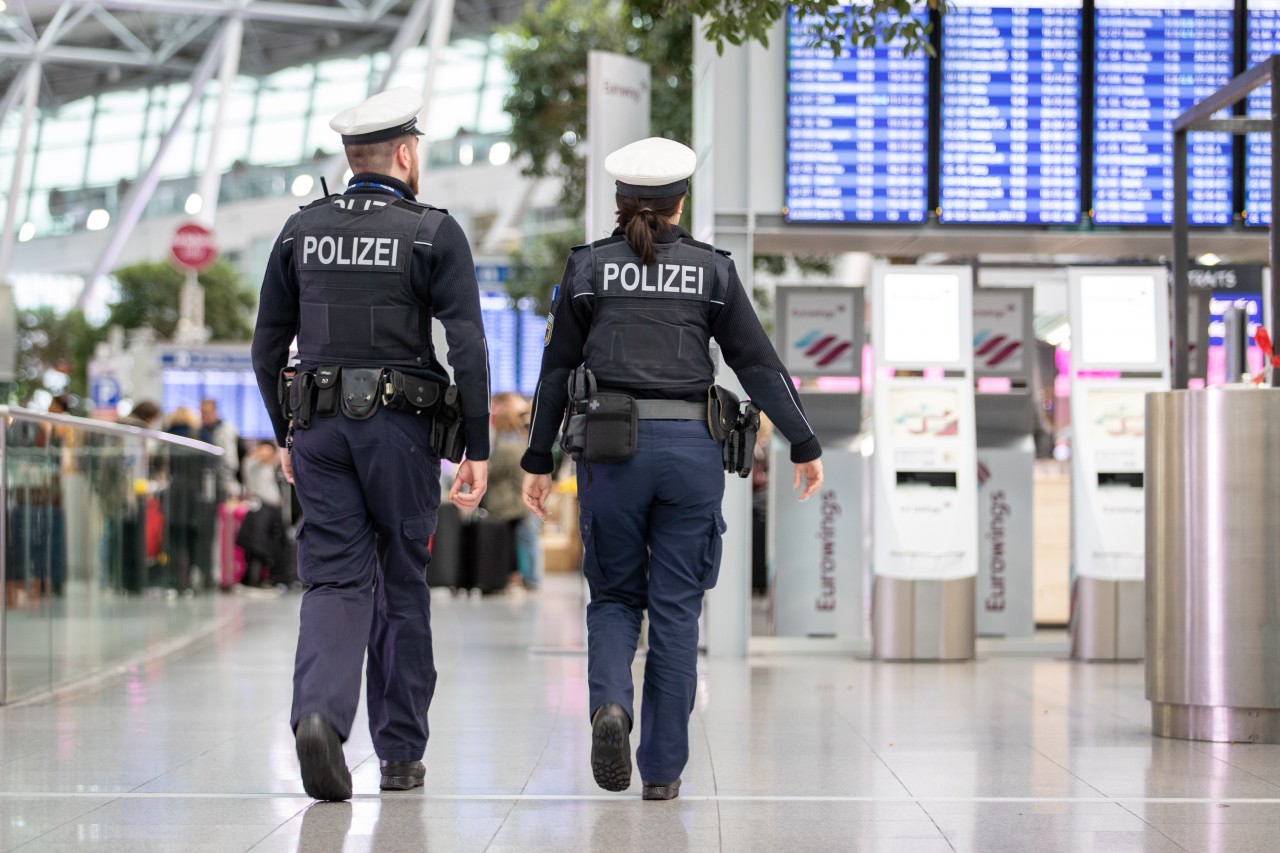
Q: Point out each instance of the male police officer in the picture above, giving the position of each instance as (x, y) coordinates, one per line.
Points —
(357, 278)
(639, 309)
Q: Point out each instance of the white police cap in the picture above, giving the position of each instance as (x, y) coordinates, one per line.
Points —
(652, 168)
(384, 116)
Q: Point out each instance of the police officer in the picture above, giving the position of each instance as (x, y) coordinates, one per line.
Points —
(639, 308)
(357, 278)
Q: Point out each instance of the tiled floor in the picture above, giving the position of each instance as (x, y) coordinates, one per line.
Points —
(794, 754)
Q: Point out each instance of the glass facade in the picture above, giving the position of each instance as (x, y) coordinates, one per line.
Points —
(85, 154)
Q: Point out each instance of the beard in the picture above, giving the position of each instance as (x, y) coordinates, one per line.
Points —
(413, 173)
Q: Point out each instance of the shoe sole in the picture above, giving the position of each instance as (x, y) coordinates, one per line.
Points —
(400, 783)
(321, 778)
(661, 792)
(611, 754)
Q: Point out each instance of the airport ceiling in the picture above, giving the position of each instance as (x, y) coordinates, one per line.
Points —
(91, 47)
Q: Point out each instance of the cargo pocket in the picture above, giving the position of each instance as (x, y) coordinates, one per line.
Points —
(304, 562)
(714, 551)
(591, 568)
(417, 532)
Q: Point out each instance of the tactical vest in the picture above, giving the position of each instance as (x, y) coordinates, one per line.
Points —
(651, 325)
(354, 257)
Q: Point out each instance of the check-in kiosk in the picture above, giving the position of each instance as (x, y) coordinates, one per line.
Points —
(1004, 360)
(925, 553)
(1119, 354)
(814, 551)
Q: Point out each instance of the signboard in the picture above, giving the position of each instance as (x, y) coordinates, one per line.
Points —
(617, 115)
(193, 247)
(1011, 112)
(922, 317)
(1001, 332)
(1263, 41)
(820, 330)
(857, 131)
(1119, 318)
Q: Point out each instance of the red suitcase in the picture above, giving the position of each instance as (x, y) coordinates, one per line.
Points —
(231, 562)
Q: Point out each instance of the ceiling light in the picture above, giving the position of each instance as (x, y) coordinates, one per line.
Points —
(97, 219)
(500, 153)
(466, 154)
(28, 229)
(1208, 259)
(194, 203)
(302, 185)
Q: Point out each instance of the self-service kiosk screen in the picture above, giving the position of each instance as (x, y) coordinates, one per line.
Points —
(1118, 323)
(1011, 112)
(857, 132)
(1263, 41)
(920, 314)
(1153, 60)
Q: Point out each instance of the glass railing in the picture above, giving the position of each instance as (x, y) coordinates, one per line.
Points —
(110, 547)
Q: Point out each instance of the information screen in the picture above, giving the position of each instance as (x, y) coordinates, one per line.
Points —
(920, 313)
(857, 132)
(533, 330)
(500, 334)
(1154, 59)
(1011, 112)
(1108, 336)
(1264, 40)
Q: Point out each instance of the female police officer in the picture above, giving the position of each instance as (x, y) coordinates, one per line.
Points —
(638, 309)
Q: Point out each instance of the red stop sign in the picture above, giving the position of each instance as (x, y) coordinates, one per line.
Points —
(193, 247)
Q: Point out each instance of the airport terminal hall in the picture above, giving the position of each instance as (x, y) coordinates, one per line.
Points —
(639, 426)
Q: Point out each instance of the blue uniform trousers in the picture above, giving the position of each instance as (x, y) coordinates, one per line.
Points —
(651, 535)
(369, 492)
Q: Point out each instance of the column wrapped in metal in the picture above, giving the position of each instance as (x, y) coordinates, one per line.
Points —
(1212, 565)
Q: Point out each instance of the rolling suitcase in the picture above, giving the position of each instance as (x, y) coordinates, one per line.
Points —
(492, 555)
(230, 556)
(445, 568)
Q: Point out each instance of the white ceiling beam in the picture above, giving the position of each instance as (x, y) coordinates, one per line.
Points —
(122, 32)
(93, 56)
(257, 10)
(195, 27)
(19, 34)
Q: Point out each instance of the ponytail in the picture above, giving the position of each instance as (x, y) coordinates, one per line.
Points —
(642, 220)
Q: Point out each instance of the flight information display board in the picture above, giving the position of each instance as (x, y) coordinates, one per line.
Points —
(1153, 60)
(1264, 40)
(1011, 112)
(857, 132)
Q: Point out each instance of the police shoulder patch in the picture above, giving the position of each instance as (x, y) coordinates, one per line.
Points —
(551, 321)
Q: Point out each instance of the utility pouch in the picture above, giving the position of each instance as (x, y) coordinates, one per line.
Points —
(327, 391)
(283, 381)
(361, 387)
(722, 411)
(573, 433)
(448, 438)
(739, 447)
(611, 428)
(405, 393)
(301, 396)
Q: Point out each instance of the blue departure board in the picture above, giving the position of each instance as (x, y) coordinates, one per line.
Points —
(857, 132)
(499, 316)
(1011, 112)
(1264, 40)
(1153, 60)
(533, 330)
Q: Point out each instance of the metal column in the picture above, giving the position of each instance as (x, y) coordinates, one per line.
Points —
(211, 181)
(32, 84)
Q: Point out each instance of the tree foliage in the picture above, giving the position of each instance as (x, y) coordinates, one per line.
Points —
(150, 291)
(54, 352)
(833, 24)
(546, 52)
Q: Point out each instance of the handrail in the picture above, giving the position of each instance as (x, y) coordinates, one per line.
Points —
(109, 428)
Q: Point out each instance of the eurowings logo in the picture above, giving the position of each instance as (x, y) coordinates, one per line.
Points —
(823, 349)
(984, 473)
(992, 348)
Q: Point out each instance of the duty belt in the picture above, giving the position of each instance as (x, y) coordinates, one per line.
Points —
(670, 410)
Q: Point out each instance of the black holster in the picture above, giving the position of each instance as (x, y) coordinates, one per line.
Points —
(573, 432)
(722, 411)
(740, 444)
(300, 396)
(448, 438)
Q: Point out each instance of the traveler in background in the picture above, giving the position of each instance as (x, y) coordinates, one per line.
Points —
(503, 500)
(638, 309)
(186, 507)
(357, 279)
(214, 430)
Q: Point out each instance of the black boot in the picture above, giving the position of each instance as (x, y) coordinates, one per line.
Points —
(402, 775)
(324, 768)
(661, 792)
(611, 747)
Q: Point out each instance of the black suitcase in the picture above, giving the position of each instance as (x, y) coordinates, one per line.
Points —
(447, 546)
(492, 555)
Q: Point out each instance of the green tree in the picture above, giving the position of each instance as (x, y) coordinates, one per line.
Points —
(149, 294)
(834, 23)
(546, 53)
(49, 343)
